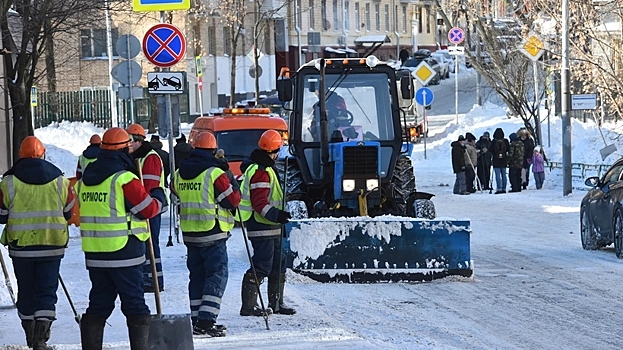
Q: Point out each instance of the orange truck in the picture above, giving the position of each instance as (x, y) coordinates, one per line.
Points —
(237, 131)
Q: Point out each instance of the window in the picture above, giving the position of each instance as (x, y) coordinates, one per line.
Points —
(357, 18)
(311, 14)
(419, 20)
(212, 41)
(336, 20)
(227, 41)
(367, 17)
(323, 14)
(377, 17)
(387, 18)
(428, 20)
(299, 14)
(404, 18)
(267, 43)
(346, 15)
(94, 43)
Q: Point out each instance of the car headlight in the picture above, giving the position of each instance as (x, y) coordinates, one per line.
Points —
(371, 184)
(348, 185)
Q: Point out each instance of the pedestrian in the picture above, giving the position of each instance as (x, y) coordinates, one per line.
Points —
(114, 208)
(499, 150)
(483, 167)
(471, 158)
(89, 155)
(207, 203)
(261, 210)
(35, 204)
(528, 145)
(156, 144)
(458, 165)
(152, 169)
(181, 150)
(515, 162)
(538, 166)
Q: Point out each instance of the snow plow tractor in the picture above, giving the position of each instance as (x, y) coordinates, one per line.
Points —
(350, 184)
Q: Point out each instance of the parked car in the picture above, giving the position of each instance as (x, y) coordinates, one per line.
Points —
(485, 59)
(601, 211)
(450, 58)
(444, 65)
(413, 62)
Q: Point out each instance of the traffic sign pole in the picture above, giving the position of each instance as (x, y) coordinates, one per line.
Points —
(456, 88)
(131, 97)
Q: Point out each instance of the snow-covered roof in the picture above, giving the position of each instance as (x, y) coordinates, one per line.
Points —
(372, 39)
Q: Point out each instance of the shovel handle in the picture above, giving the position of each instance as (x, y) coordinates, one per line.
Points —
(152, 255)
(7, 279)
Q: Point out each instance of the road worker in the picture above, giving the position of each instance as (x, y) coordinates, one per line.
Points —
(114, 208)
(153, 178)
(35, 204)
(207, 200)
(261, 210)
(89, 155)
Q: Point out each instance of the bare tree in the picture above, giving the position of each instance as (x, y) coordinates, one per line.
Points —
(27, 27)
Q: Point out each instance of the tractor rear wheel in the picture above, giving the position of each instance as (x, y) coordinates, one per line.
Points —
(404, 183)
(298, 202)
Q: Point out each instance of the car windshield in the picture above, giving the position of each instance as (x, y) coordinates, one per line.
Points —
(238, 144)
(358, 106)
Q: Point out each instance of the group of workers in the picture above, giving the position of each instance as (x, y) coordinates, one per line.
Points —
(121, 195)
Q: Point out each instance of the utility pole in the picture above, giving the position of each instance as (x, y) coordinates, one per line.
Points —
(109, 52)
(565, 100)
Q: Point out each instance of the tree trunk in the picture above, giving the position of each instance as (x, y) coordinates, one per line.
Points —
(232, 73)
(22, 122)
(50, 73)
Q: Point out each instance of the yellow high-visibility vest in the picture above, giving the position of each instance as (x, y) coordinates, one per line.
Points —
(199, 208)
(104, 223)
(275, 196)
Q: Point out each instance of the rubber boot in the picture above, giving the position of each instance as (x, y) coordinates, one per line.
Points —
(138, 328)
(42, 335)
(249, 297)
(92, 331)
(29, 329)
(275, 289)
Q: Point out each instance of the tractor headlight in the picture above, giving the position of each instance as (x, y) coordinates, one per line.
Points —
(372, 61)
(371, 184)
(348, 185)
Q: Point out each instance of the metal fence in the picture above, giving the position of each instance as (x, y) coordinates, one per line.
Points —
(94, 106)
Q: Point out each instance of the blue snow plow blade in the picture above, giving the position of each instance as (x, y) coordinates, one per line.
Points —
(383, 249)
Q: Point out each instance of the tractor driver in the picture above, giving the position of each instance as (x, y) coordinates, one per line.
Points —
(337, 114)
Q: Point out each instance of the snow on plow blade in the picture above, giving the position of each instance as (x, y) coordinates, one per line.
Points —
(383, 249)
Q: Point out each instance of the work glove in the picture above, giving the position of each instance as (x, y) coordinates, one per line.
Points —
(283, 217)
(223, 163)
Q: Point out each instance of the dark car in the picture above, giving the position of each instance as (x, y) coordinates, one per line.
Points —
(601, 211)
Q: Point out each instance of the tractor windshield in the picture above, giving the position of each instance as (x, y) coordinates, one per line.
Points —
(359, 107)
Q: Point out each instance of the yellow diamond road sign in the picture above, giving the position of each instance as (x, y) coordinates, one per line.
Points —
(532, 47)
(424, 73)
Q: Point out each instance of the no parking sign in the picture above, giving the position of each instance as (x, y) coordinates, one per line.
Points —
(164, 45)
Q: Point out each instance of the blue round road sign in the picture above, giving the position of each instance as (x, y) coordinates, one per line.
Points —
(424, 96)
(164, 45)
(456, 35)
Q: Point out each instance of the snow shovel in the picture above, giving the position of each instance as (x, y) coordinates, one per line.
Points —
(609, 149)
(166, 331)
(7, 281)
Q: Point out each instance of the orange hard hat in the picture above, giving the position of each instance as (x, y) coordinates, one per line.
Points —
(31, 147)
(205, 140)
(136, 129)
(95, 139)
(270, 141)
(115, 139)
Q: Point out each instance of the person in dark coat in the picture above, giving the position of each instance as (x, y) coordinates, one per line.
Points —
(499, 151)
(156, 144)
(528, 145)
(458, 165)
(515, 162)
(483, 166)
(181, 150)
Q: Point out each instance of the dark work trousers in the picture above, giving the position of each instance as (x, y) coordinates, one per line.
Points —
(484, 174)
(106, 284)
(514, 176)
(154, 226)
(208, 279)
(264, 251)
(470, 176)
(37, 282)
